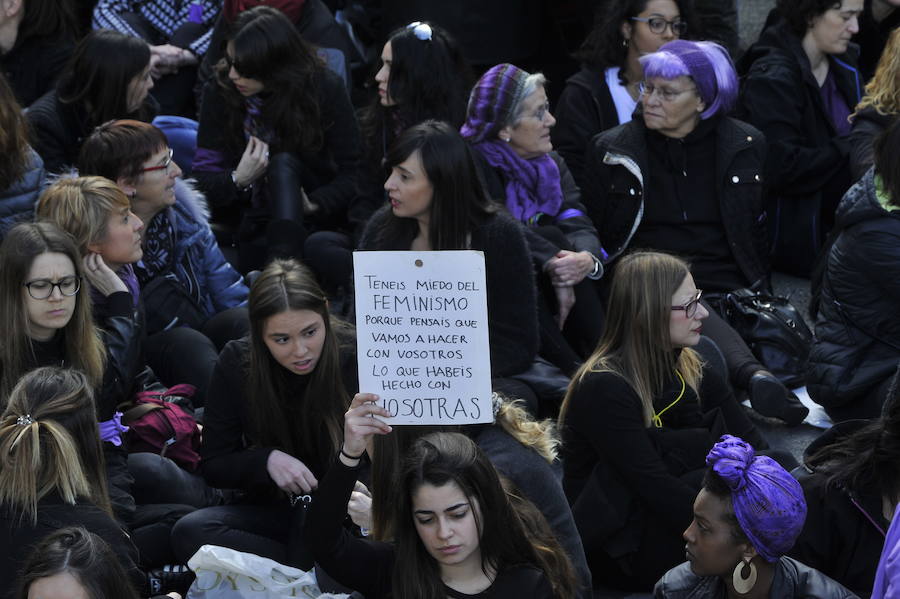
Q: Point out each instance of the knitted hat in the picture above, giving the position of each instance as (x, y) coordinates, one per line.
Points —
(768, 502)
(493, 102)
(698, 65)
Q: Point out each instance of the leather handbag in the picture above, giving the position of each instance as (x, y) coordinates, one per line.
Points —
(773, 329)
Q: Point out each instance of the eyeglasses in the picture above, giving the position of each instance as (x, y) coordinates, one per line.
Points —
(41, 289)
(665, 94)
(421, 30)
(162, 167)
(690, 308)
(658, 25)
(541, 113)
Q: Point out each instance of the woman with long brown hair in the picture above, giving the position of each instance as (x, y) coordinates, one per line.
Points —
(272, 423)
(637, 421)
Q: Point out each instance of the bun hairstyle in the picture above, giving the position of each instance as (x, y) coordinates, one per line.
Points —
(768, 502)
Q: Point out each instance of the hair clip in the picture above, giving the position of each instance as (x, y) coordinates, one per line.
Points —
(25, 420)
(421, 30)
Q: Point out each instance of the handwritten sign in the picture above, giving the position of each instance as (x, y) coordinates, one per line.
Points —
(422, 335)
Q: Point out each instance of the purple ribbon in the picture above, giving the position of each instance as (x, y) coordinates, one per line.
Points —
(195, 13)
(111, 430)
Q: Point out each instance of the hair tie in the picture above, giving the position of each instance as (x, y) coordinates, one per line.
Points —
(421, 30)
(25, 420)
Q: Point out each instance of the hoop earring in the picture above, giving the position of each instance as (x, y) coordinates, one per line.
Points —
(743, 585)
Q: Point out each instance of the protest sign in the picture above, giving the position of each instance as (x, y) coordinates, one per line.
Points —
(422, 335)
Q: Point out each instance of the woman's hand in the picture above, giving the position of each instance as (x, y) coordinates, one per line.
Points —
(360, 424)
(360, 506)
(565, 299)
(290, 474)
(101, 277)
(253, 163)
(569, 268)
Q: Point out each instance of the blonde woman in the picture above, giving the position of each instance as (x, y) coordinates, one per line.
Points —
(878, 108)
(637, 421)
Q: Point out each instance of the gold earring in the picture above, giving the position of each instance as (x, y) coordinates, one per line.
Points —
(744, 584)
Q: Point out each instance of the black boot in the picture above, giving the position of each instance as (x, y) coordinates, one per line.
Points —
(770, 397)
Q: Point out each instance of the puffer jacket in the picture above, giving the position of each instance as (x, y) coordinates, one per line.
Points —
(859, 297)
(17, 200)
(617, 163)
(197, 256)
(792, 580)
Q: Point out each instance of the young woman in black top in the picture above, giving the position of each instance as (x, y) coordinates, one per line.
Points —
(457, 532)
(272, 423)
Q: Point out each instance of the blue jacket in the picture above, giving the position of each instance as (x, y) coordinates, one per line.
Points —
(220, 286)
(17, 201)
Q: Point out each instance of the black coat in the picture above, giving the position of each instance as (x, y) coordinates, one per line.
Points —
(859, 297)
(868, 124)
(617, 163)
(59, 129)
(807, 165)
(584, 109)
(33, 65)
(511, 301)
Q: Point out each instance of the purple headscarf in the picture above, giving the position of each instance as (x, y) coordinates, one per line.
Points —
(532, 186)
(768, 502)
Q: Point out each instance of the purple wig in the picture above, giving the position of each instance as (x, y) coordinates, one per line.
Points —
(768, 502)
(707, 63)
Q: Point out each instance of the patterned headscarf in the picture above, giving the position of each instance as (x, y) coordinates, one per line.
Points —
(768, 502)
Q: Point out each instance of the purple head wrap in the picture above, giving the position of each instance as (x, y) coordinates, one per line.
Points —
(768, 502)
(532, 186)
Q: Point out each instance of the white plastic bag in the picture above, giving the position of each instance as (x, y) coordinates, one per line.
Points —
(224, 573)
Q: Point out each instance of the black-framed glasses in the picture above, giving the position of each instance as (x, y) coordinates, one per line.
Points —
(162, 167)
(666, 95)
(41, 289)
(690, 308)
(658, 25)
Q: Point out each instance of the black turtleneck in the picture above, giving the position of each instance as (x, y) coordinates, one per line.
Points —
(681, 208)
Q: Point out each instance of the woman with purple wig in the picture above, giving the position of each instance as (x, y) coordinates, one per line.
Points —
(508, 121)
(746, 517)
(683, 178)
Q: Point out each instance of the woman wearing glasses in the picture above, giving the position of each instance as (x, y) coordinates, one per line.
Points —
(508, 123)
(686, 179)
(278, 144)
(194, 300)
(638, 420)
(605, 92)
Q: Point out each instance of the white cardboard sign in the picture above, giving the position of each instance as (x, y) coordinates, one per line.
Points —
(422, 335)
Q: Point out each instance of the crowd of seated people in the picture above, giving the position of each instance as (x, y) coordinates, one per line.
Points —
(182, 188)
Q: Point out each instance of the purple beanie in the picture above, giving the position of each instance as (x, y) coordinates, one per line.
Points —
(768, 502)
(492, 102)
(698, 64)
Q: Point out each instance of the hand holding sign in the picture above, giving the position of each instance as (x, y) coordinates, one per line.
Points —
(359, 424)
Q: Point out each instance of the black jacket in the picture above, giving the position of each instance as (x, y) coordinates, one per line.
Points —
(792, 579)
(334, 167)
(511, 301)
(579, 230)
(860, 293)
(59, 129)
(17, 201)
(584, 109)
(616, 165)
(868, 124)
(33, 65)
(807, 162)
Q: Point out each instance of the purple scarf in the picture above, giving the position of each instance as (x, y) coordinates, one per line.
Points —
(532, 186)
(126, 273)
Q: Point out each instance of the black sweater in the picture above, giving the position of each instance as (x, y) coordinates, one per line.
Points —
(367, 566)
(33, 65)
(231, 457)
(512, 307)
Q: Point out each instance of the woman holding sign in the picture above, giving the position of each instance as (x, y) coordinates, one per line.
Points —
(438, 203)
(273, 418)
(638, 421)
(458, 531)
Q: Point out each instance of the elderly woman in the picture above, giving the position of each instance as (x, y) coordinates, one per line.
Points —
(687, 180)
(746, 518)
(509, 123)
(799, 91)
